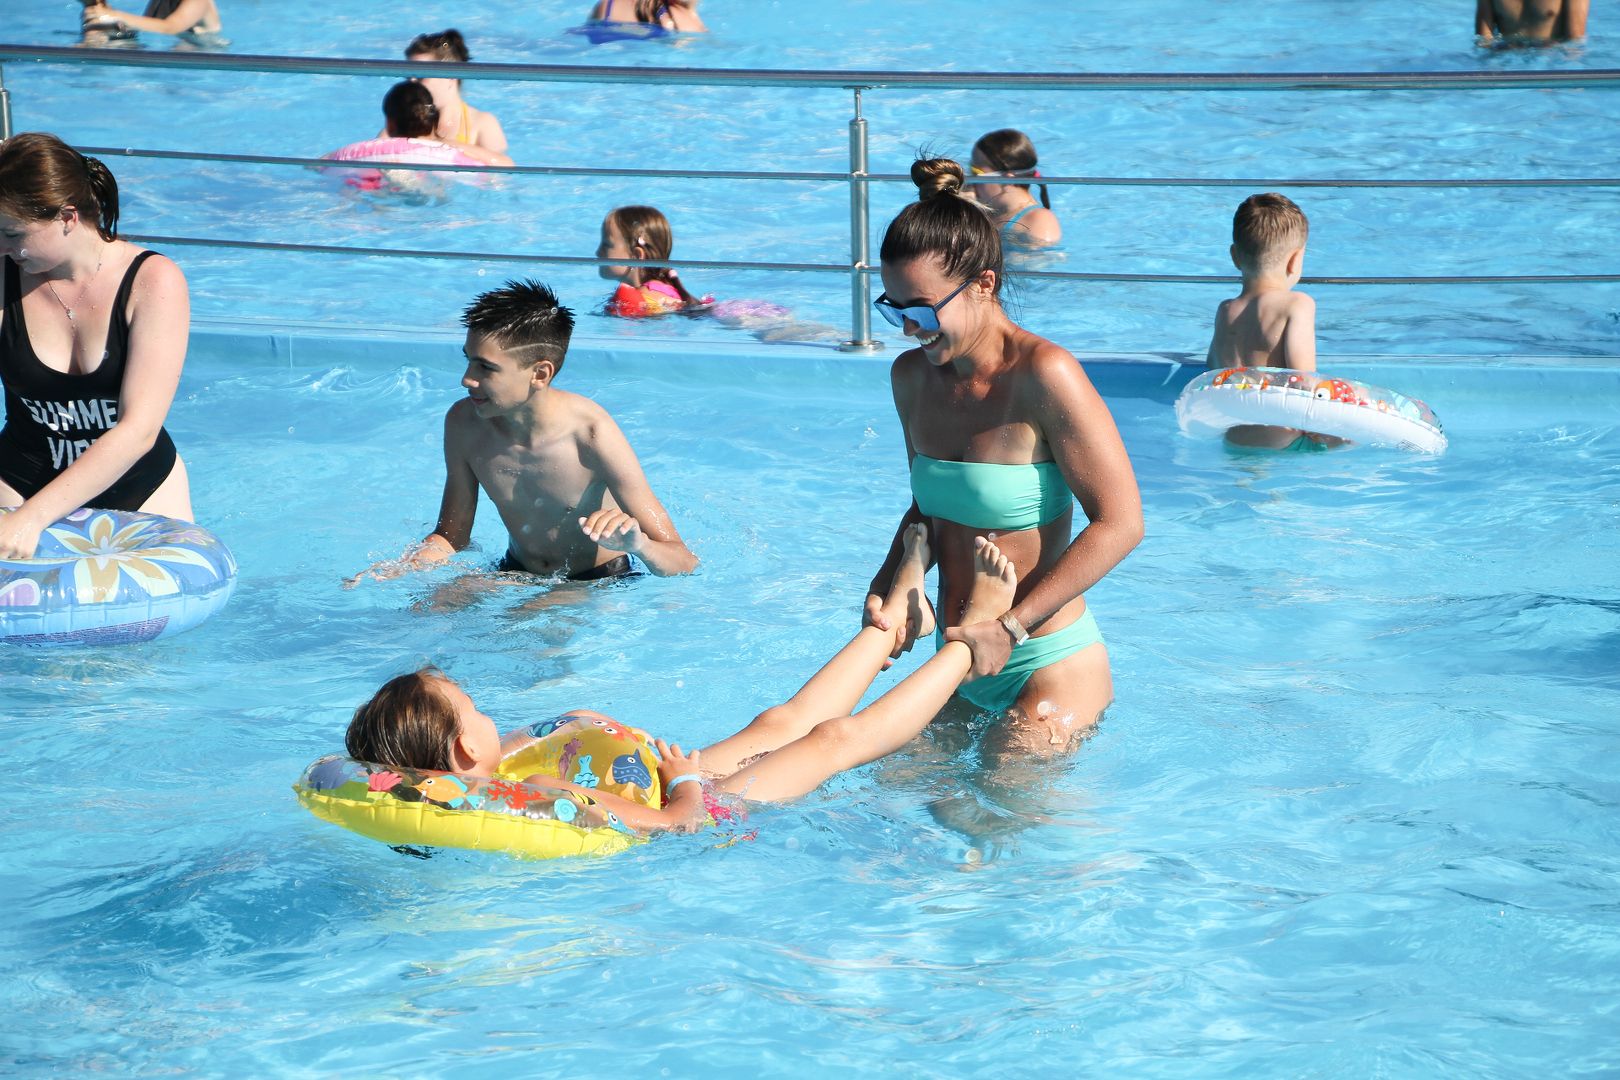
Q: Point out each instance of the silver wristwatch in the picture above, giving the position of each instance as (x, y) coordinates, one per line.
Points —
(1010, 623)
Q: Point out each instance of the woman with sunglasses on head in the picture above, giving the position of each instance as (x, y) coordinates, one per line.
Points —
(472, 131)
(1021, 218)
(93, 336)
(1004, 433)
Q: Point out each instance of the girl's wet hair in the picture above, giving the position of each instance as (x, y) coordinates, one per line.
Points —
(1008, 150)
(647, 227)
(40, 176)
(943, 224)
(523, 317)
(409, 111)
(445, 45)
(408, 723)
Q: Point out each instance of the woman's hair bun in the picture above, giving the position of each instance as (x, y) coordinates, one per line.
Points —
(935, 177)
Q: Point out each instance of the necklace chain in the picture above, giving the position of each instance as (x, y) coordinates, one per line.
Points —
(83, 292)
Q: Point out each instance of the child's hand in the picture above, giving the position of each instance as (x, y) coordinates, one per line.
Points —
(386, 570)
(673, 761)
(420, 557)
(614, 530)
(377, 571)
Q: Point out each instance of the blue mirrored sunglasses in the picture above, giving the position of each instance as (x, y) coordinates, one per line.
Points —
(926, 316)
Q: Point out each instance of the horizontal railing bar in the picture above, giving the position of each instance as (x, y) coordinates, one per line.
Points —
(869, 178)
(1274, 184)
(481, 256)
(840, 80)
(414, 166)
(1228, 279)
(826, 268)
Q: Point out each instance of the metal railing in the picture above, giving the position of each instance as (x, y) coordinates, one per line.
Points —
(858, 266)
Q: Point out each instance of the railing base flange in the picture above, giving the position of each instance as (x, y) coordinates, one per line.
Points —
(869, 346)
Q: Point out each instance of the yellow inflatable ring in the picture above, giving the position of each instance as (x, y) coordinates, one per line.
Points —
(419, 808)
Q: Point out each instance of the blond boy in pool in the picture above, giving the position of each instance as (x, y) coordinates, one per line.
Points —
(558, 469)
(1269, 323)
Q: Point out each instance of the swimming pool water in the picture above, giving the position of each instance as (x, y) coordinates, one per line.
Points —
(1265, 136)
(1351, 813)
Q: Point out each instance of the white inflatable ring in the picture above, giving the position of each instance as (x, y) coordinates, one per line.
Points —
(104, 577)
(1310, 401)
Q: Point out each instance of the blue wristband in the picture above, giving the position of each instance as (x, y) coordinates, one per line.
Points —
(679, 780)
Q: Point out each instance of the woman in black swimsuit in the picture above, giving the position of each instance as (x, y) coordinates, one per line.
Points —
(92, 339)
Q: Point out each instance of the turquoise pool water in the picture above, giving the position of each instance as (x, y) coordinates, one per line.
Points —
(1265, 136)
(1352, 813)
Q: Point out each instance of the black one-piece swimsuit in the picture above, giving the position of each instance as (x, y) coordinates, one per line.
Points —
(52, 417)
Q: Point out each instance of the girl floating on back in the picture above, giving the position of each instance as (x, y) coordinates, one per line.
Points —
(424, 721)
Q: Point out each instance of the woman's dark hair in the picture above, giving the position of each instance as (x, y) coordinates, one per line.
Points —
(408, 723)
(942, 223)
(409, 111)
(647, 227)
(40, 176)
(1008, 150)
(445, 45)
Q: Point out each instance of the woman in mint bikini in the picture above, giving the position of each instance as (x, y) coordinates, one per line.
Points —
(1022, 219)
(1003, 433)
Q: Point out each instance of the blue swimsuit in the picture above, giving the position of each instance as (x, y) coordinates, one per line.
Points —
(1008, 226)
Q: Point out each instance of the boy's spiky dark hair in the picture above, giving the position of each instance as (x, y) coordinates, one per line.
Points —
(523, 317)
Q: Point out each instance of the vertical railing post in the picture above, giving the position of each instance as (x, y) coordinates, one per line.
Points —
(860, 307)
(5, 107)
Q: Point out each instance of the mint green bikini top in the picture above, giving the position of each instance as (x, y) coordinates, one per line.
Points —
(983, 495)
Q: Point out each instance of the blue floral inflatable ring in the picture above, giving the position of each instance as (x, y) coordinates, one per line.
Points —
(102, 577)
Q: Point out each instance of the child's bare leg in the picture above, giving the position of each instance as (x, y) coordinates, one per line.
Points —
(838, 686)
(892, 720)
(1263, 436)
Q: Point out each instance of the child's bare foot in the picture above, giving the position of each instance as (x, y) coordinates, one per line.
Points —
(907, 601)
(994, 583)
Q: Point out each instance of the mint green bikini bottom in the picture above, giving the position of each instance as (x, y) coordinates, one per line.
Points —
(998, 692)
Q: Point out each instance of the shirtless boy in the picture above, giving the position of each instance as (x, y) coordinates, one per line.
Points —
(1269, 323)
(558, 469)
(1530, 22)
